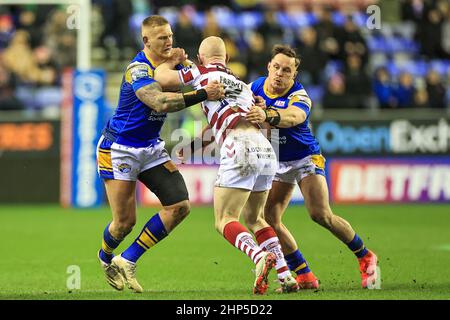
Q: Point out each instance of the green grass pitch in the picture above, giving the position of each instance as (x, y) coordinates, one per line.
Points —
(39, 243)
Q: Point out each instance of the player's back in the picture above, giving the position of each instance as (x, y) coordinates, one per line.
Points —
(225, 114)
(133, 123)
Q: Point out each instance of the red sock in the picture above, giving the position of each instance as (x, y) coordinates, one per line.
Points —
(239, 237)
(268, 240)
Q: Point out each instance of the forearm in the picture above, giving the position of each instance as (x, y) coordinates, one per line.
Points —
(166, 102)
(284, 118)
(290, 119)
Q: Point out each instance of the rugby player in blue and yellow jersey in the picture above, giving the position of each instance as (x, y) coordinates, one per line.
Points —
(287, 108)
(130, 149)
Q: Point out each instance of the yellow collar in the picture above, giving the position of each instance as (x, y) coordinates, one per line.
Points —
(274, 96)
(154, 65)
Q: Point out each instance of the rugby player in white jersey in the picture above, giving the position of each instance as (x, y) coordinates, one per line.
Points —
(130, 149)
(247, 162)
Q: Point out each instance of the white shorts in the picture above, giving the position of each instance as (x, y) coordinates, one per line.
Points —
(247, 161)
(294, 171)
(119, 162)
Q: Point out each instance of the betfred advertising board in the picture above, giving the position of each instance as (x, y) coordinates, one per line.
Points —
(390, 180)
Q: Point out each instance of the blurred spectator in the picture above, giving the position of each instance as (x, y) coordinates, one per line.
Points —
(211, 27)
(412, 10)
(27, 22)
(60, 40)
(6, 30)
(116, 15)
(258, 57)
(405, 91)
(436, 90)
(18, 56)
(237, 59)
(352, 42)
(186, 35)
(335, 96)
(327, 33)
(270, 29)
(313, 59)
(8, 101)
(429, 34)
(421, 98)
(383, 89)
(357, 81)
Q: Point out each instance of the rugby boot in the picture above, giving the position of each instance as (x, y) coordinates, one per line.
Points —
(368, 269)
(263, 267)
(307, 281)
(288, 285)
(112, 274)
(128, 271)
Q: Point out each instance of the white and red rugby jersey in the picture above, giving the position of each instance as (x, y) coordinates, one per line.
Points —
(224, 114)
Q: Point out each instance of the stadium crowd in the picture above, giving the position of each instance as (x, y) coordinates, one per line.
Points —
(404, 64)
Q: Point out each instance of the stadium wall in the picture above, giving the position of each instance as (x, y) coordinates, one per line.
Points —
(368, 161)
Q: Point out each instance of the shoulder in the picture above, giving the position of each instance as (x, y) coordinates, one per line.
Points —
(137, 70)
(299, 94)
(258, 84)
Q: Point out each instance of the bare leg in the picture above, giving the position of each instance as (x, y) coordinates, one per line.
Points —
(228, 204)
(122, 200)
(253, 211)
(277, 202)
(315, 191)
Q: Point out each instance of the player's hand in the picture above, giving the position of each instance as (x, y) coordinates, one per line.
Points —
(256, 115)
(215, 90)
(177, 56)
(260, 102)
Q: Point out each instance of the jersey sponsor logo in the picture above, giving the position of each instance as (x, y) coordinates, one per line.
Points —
(279, 103)
(187, 75)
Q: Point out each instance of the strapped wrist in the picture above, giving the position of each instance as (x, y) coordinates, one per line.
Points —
(272, 116)
(193, 97)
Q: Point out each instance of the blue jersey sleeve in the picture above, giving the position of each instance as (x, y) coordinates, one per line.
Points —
(301, 101)
(139, 75)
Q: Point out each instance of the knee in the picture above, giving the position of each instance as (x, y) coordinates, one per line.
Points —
(180, 211)
(322, 217)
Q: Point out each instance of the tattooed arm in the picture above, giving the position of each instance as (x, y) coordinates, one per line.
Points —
(152, 96)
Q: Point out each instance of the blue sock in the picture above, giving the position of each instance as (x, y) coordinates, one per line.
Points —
(297, 263)
(109, 243)
(357, 246)
(153, 232)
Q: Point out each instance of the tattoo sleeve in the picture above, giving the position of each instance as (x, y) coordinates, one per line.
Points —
(153, 96)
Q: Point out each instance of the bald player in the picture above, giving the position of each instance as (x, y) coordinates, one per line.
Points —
(131, 149)
(247, 162)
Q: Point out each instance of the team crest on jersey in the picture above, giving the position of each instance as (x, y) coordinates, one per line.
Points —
(124, 168)
(279, 103)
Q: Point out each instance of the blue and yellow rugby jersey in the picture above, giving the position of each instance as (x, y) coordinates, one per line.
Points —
(133, 123)
(296, 142)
